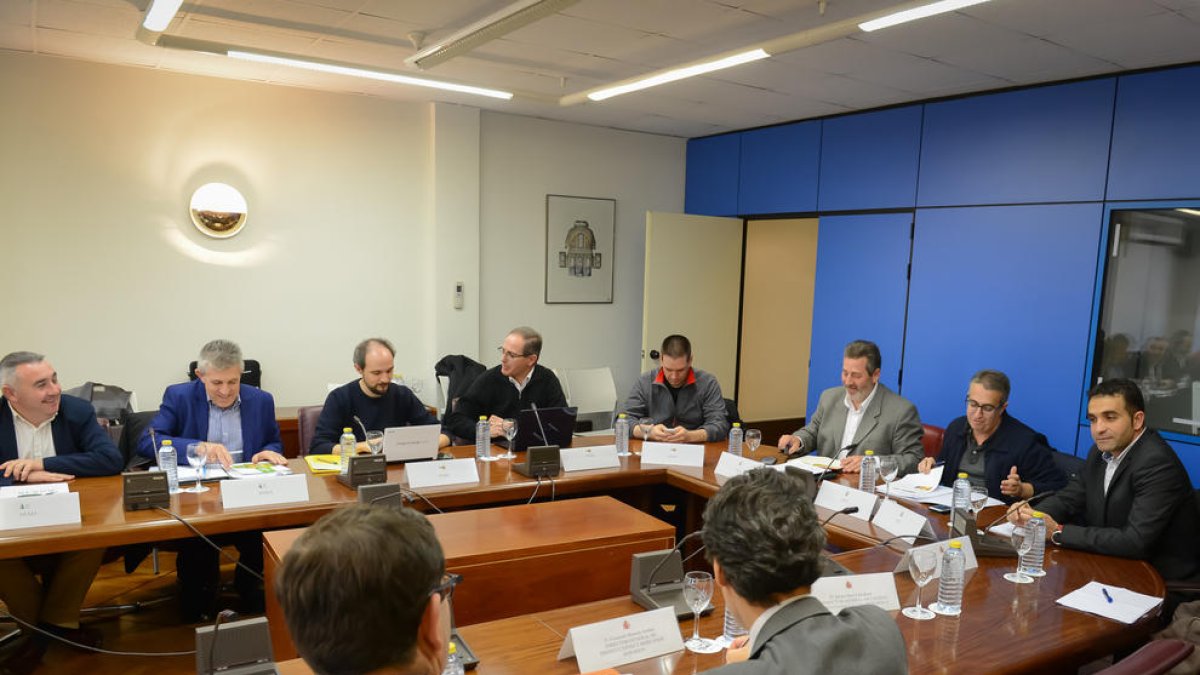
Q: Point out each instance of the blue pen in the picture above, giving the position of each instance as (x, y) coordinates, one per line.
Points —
(1106, 595)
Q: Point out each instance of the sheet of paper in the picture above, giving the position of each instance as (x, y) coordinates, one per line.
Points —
(945, 497)
(730, 465)
(1120, 604)
(673, 454)
(853, 590)
(939, 548)
(590, 457)
(916, 485)
(33, 490)
(188, 475)
(815, 463)
(626, 639)
(260, 470)
(1004, 529)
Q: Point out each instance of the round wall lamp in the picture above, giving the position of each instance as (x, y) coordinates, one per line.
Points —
(218, 210)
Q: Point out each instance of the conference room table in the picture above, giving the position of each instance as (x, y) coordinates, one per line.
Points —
(1005, 628)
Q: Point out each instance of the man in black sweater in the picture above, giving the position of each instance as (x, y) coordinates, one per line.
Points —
(374, 399)
(517, 384)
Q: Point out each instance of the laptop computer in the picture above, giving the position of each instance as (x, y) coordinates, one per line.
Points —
(406, 444)
(559, 424)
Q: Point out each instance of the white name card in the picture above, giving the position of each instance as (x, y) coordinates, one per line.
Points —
(237, 494)
(61, 508)
(33, 490)
(441, 472)
(901, 521)
(854, 590)
(939, 548)
(731, 465)
(616, 642)
(673, 454)
(593, 457)
(835, 497)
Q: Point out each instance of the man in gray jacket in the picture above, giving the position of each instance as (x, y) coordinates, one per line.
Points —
(763, 539)
(685, 404)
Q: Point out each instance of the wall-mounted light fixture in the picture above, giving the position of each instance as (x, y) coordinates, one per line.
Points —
(218, 210)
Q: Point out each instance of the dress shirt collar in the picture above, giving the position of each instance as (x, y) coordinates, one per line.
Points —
(1113, 462)
(866, 402)
(522, 384)
(237, 404)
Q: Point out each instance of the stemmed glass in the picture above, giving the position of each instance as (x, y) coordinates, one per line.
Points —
(697, 590)
(196, 456)
(645, 425)
(889, 468)
(375, 442)
(753, 439)
(921, 564)
(1022, 543)
(509, 425)
(979, 497)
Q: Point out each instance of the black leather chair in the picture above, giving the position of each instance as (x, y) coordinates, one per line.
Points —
(251, 373)
(1070, 465)
(306, 425)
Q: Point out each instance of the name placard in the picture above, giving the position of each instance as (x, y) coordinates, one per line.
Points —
(901, 521)
(836, 497)
(60, 508)
(673, 454)
(838, 593)
(592, 457)
(939, 548)
(33, 490)
(615, 642)
(237, 494)
(441, 472)
(730, 465)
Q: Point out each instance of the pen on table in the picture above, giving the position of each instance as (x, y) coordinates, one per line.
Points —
(1106, 595)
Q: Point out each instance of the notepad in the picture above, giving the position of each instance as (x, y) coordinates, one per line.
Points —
(322, 464)
(258, 470)
(1120, 604)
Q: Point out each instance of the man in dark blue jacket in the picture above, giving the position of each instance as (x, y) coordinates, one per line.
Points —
(993, 448)
(46, 437)
(233, 421)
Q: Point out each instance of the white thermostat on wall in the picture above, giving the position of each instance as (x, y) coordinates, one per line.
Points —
(458, 295)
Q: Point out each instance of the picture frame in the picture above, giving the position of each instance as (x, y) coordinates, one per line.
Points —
(580, 237)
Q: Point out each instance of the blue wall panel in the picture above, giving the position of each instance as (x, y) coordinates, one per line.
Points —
(1033, 145)
(1190, 456)
(869, 161)
(711, 181)
(1007, 288)
(779, 169)
(1156, 136)
(859, 292)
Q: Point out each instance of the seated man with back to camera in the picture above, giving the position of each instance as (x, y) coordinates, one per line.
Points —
(685, 404)
(230, 420)
(373, 402)
(394, 617)
(861, 415)
(502, 392)
(995, 450)
(45, 437)
(763, 538)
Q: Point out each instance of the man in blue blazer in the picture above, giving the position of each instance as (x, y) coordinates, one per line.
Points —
(233, 421)
(46, 437)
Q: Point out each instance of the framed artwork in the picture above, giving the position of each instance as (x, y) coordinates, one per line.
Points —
(579, 249)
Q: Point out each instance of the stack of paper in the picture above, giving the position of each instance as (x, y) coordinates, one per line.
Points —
(259, 470)
(1110, 602)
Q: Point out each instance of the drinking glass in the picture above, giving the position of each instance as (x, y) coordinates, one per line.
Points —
(645, 425)
(1022, 543)
(889, 468)
(196, 456)
(921, 564)
(375, 442)
(509, 425)
(979, 497)
(753, 439)
(697, 590)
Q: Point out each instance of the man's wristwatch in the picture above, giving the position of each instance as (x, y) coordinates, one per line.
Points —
(1054, 536)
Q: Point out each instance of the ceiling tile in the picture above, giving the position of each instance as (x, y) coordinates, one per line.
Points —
(1043, 17)
(1030, 60)
(1155, 40)
(18, 12)
(946, 34)
(85, 17)
(17, 38)
(81, 46)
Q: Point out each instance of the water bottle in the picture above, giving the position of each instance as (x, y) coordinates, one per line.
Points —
(168, 463)
(454, 666)
(962, 495)
(621, 434)
(1035, 530)
(483, 438)
(868, 472)
(735, 440)
(950, 586)
(733, 628)
(349, 447)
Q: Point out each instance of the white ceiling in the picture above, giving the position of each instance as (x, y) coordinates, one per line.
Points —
(997, 44)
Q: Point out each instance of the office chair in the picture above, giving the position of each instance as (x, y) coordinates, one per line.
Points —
(251, 372)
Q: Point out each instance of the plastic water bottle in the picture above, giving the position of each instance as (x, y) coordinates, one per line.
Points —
(733, 628)
(1035, 529)
(483, 438)
(868, 472)
(454, 665)
(168, 463)
(621, 435)
(950, 586)
(735, 440)
(962, 495)
(349, 447)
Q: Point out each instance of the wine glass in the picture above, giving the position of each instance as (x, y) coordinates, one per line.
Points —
(197, 454)
(645, 425)
(509, 425)
(753, 439)
(921, 564)
(979, 497)
(697, 590)
(1022, 543)
(889, 468)
(375, 442)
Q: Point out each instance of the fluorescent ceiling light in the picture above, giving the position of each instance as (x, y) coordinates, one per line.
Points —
(1190, 212)
(159, 16)
(917, 13)
(679, 74)
(515, 16)
(368, 74)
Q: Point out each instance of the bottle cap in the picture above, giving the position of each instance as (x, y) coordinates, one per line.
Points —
(1038, 514)
(621, 416)
(453, 648)
(869, 453)
(737, 425)
(962, 474)
(956, 544)
(347, 430)
(483, 418)
(167, 441)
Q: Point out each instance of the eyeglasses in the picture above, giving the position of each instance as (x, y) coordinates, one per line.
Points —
(505, 352)
(985, 408)
(445, 587)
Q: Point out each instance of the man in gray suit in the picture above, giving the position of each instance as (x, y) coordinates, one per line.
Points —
(861, 415)
(763, 539)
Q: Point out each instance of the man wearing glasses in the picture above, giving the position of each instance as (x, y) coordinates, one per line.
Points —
(517, 384)
(995, 449)
(365, 590)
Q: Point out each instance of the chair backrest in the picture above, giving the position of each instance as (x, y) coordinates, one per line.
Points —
(932, 439)
(1154, 658)
(306, 425)
(251, 372)
(590, 389)
(731, 412)
(135, 425)
(110, 401)
(1070, 465)
(460, 371)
